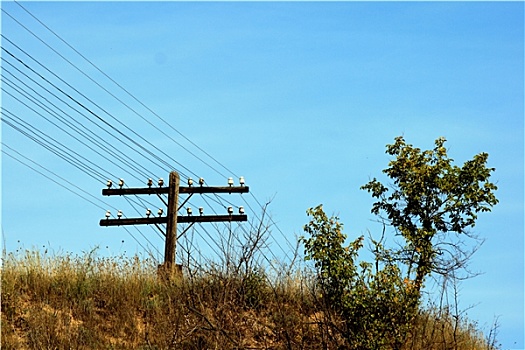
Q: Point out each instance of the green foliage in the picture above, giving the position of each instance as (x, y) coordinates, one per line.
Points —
(376, 308)
(429, 198)
(334, 263)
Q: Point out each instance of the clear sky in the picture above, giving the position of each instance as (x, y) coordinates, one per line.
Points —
(300, 98)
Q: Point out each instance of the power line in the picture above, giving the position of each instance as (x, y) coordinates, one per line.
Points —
(145, 236)
(90, 78)
(102, 120)
(138, 242)
(69, 125)
(61, 146)
(61, 184)
(77, 111)
(86, 76)
(135, 112)
(219, 200)
(125, 90)
(55, 175)
(54, 149)
(78, 127)
(118, 99)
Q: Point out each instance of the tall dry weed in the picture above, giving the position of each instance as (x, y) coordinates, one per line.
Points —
(90, 302)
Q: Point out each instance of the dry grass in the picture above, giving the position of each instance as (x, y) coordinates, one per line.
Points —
(88, 302)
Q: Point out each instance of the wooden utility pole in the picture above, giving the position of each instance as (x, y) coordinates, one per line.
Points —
(171, 227)
(172, 217)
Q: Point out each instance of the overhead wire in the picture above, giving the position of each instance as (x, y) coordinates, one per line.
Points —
(58, 147)
(126, 91)
(7, 39)
(84, 196)
(219, 200)
(143, 236)
(99, 142)
(62, 185)
(54, 148)
(30, 56)
(83, 115)
(69, 189)
(99, 206)
(106, 89)
(129, 129)
(102, 120)
(23, 93)
(85, 169)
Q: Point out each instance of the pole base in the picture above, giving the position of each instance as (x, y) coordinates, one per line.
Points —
(168, 272)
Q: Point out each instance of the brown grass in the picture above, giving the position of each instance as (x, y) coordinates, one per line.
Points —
(88, 302)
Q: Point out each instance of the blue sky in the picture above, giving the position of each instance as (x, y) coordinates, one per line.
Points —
(300, 98)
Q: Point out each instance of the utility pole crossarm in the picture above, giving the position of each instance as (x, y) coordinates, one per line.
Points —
(164, 220)
(209, 189)
(173, 190)
(182, 190)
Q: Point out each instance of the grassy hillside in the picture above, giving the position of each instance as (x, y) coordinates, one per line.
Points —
(88, 302)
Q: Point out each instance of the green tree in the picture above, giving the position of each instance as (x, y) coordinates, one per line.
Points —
(335, 264)
(431, 202)
(369, 310)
